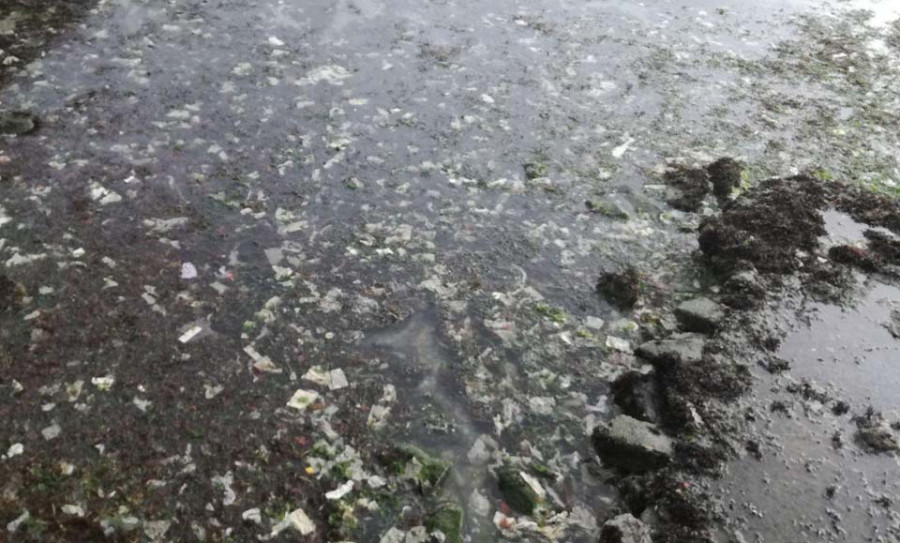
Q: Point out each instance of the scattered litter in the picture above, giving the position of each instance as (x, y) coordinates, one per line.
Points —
(20, 520)
(188, 271)
(51, 432)
(211, 392)
(261, 363)
(190, 334)
(302, 399)
(334, 379)
(225, 482)
(252, 515)
(141, 404)
(378, 416)
(340, 491)
(74, 510)
(618, 344)
(301, 522)
(103, 383)
(14, 450)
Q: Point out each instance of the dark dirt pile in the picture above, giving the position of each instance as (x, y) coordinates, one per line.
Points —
(767, 228)
(770, 231)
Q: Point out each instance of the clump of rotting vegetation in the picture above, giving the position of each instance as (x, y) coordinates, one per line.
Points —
(621, 289)
(777, 228)
(767, 228)
(687, 187)
(725, 176)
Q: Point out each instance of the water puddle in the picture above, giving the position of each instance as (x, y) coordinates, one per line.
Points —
(422, 369)
(850, 348)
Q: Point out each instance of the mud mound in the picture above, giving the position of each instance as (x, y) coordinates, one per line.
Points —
(868, 207)
(767, 227)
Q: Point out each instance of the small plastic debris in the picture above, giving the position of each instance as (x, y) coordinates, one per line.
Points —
(51, 432)
(224, 482)
(618, 344)
(261, 363)
(378, 416)
(14, 450)
(156, 530)
(188, 271)
(141, 404)
(74, 510)
(103, 383)
(211, 391)
(252, 515)
(21, 519)
(340, 491)
(190, 334)
(301, 522)
(302, 399)
(334, 379)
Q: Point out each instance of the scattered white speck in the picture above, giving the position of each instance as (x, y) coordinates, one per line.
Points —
(15, 450)
(301, 522)
(252, 515)
(302, 399)
(51, 432)
(340, 491)
(74, 510)
(103, 383)
(273, 40)
(619, 151)
(188, 271)
(141, 404)
(190, 334)
(21, 519)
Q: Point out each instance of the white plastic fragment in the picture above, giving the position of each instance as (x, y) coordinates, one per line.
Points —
(74, 510)
(534, 484)
(252, 515)
(51, 432)
(619, 151)
(594, 323)
(261, 363)
(301, 522)
(225, 482)
(618, 344)
(211, 391)
(188, 271)
(378, 416)
(103, 383)
(14, 450)
(340, 491)
(156, 530)
(337, 379)
(334, 379)
(542, 405)
(21, 519)
(302, 399)
(190, 334)
(141, 404)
